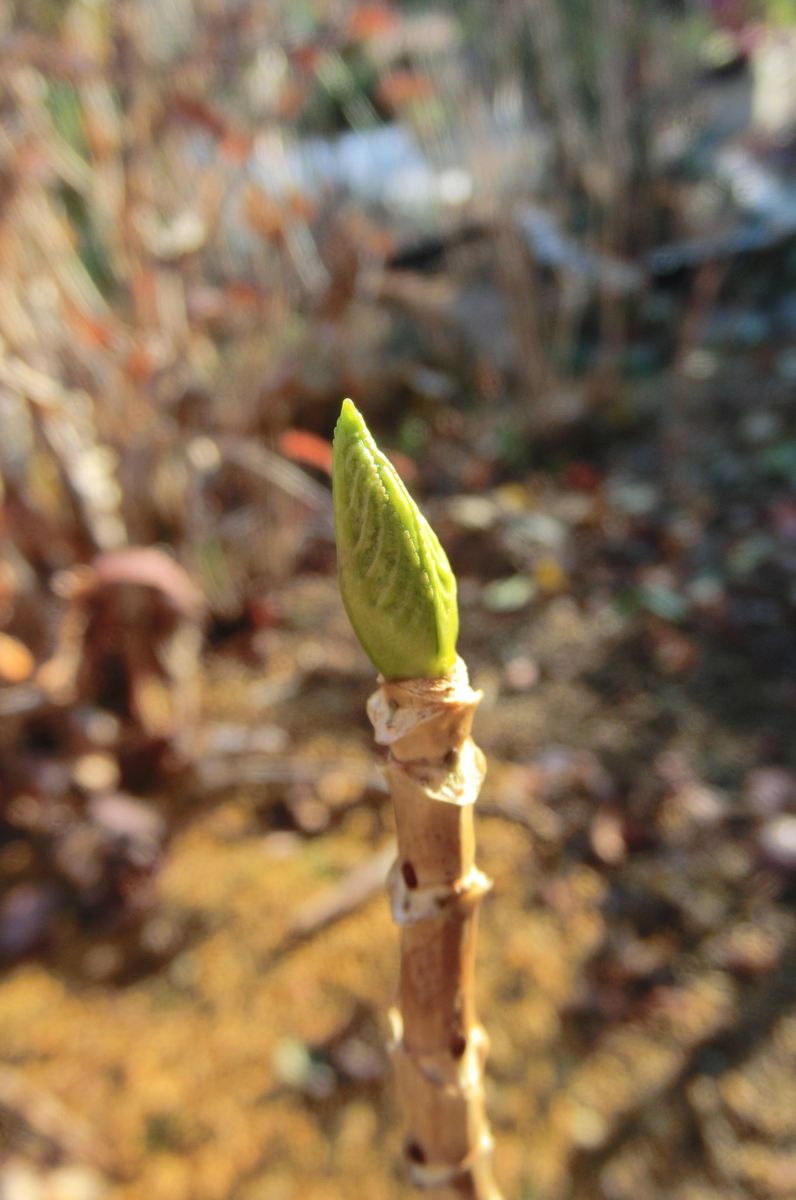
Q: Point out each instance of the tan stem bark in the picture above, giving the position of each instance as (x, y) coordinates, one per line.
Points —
(435, 771)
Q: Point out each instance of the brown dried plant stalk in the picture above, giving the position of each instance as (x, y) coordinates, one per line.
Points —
(434, 770)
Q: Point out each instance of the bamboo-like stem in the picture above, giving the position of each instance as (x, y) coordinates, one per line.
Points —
(435, 771)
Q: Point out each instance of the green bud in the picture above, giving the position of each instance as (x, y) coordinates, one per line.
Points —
(397, 585)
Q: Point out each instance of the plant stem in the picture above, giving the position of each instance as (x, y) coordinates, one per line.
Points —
(434, 771)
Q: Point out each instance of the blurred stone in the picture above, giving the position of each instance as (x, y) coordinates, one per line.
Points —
(748, 948)
(473, 512)
(778, 841)
(81, 855)
(51, 777)
(184, 971)
(769, 790)
(15, 857)
(699, 364)
(226, 737)
(508, 595)
(102, 962)
(706, 591)
(587, 1127)
(160, 935)
(100, 726)
(538, 529)
(311, 815)
(74, 1183)
(514, 498)
(338, 789)
(685, 531)
(295, 1067)
(132, 822)
(576, 508)
(749, 553)
(562, 769)
(634, 497)
(203, 453)
(733, 862)
(674, 652)
(549, 575)
(16, 661)
(269, 739)
(26, 916)
(673, 769)
(665, 602)
(521, 673)
(25, 812)
(359, 1060)
(558, 767)
(19, 1181)
(95, 772)
(760, 426)
(281, 845)
(607, 838)
(704, 805)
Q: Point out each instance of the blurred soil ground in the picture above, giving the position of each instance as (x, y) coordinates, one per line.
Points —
(593, 400)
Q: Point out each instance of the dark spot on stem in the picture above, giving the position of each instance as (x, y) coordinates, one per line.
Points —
(458, 1044)
(451, 758)
(409, 874)
(414, 1152)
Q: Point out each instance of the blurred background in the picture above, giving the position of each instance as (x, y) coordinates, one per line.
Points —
(550, 250)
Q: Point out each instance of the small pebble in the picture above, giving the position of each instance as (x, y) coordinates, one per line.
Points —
(521, 674)
(778, 841)
(96, 772)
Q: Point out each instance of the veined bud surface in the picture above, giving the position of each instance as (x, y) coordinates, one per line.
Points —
(395, 579)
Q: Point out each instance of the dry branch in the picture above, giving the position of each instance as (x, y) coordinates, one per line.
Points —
(434, 771)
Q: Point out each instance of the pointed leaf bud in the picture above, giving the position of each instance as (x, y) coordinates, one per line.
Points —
(396, 582)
